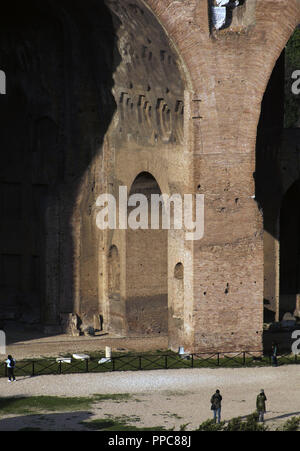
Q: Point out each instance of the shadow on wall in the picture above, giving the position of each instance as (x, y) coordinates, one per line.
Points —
(59, 58)
(274, 173)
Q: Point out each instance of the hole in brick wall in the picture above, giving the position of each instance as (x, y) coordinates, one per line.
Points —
(178, 271)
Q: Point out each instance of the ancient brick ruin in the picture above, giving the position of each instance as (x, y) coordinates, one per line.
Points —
(148, 94)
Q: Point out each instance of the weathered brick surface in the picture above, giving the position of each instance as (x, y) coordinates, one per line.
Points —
(143, 87)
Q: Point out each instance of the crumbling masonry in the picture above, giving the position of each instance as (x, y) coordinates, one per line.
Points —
(146, 94)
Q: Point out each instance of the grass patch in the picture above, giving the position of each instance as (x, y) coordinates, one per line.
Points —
(250, 423)
(33, 404)
(118, 397)
(171, 415)
(117, 424)
(291, 425)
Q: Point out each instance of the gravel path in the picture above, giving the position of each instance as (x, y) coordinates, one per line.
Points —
(176, 397)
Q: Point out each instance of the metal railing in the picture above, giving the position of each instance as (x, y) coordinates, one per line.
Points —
(148, 362)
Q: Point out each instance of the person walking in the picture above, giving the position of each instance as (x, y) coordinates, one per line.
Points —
(261, 406)
(216, 401)
(10, 364)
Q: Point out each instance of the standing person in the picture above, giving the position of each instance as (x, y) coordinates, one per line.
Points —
(274, 353)
(216, 400)
(10, 363)
(261, 405)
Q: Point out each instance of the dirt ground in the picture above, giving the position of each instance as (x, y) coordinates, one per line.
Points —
(22, 344)
(157, 398)
(162, 398)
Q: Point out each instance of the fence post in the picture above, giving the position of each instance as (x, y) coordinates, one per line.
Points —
(113, 362)
(60, 367)
(32, 373)
(244, 358)
(192, 360)
(140, 363)
(218, 359)
(166, 362)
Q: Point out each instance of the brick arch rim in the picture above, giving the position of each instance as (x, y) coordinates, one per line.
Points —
(151, 5)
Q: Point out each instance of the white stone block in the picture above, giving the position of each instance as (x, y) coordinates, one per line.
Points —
(81, 356)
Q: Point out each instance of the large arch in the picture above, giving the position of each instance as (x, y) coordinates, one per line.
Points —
(290, 251)
(276, 171)
(149, 135)
(90, 83)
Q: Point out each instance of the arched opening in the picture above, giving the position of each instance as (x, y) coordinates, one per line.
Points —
(276, 170)
(290, 250)
(146, 270)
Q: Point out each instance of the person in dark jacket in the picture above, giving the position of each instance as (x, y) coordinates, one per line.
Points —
(216, 406)
(10, 364)
(261, 405)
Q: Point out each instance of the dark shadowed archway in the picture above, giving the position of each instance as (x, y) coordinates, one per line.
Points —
(290, 250)
(146, 270)
(59, 59)
(276, 163)
(72, 68)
